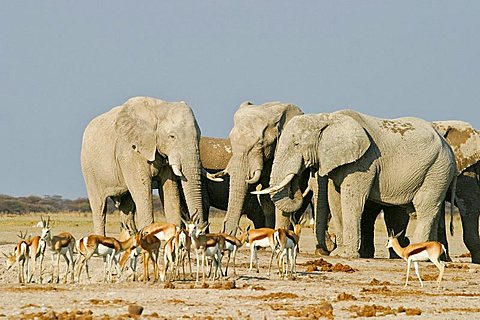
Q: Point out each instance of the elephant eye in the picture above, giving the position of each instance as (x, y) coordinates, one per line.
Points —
(171, 137)
(296, 143)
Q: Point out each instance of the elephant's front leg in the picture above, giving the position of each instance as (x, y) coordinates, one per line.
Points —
(353, 194)
(369, 216)
(140, 187)
(170, 196)
(321, 213)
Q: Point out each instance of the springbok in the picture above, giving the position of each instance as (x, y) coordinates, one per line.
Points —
(19, 256)
(107, 247)
(415, 252)
(176, 250)
(286, 241)
(232, 244)
(61, 244)
(206, 245)
(262, 237)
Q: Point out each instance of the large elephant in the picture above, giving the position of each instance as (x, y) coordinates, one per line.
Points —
(141, 141)
(253, 139)
(465, 143)
(396, 162)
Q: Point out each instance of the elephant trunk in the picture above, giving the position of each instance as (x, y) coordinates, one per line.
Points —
(187, 166)
(238, 170)
(289, 198)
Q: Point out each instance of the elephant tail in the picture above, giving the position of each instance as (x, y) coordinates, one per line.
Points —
(453, 186)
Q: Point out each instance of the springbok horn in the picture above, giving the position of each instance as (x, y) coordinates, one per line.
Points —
(210, 176)
(274, 189)
(255, 178)
(398, 234)
(292, 221)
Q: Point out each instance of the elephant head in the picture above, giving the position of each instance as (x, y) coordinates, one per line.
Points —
(153, 128)
(253, 139)
(322, 142)
(464, 140)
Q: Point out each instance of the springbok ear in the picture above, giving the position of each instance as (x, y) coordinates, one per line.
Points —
(342, 141)
(464, 140)
(136, 124)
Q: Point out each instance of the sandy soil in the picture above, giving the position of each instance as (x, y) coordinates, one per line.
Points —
(331, 288)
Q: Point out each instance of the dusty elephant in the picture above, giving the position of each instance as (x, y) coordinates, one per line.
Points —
(465, 143)
(253, 139)
(365, 158)
(128, 147)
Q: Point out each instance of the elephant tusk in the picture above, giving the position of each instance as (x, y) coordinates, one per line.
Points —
(177, 171)
(210, 176)
(255, 178)
(306, 191)
(274, 189)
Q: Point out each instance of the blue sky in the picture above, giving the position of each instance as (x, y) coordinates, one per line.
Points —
(64, 62)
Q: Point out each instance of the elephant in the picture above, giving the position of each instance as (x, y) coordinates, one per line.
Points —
(144, 141)
(465, 143)
(253, 140)
(392, 162)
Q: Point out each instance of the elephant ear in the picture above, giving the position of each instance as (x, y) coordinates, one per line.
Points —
(342, 141)
(282, 114)
(464, 140)
(136, 124)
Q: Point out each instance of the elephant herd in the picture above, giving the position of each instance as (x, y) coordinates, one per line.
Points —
(277, 161)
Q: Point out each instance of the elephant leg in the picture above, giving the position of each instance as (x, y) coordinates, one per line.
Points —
(127, 207)
(396, 219)
(335, 204)
(321, 212)
(354, 192)
(442, 233)
(140, 188)
(369, 216)
(170, 195)
(468, 203)
(99, 213)
(428, 209)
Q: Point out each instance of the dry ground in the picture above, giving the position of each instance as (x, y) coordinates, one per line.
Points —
(375, 288)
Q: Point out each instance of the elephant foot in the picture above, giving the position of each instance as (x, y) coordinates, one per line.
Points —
(321, 252)
(345, 252)
(475, 257)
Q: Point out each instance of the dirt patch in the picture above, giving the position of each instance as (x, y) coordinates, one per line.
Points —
(275, 296)
(169, 285)
(346, 297)
(31, 288)
(376, 282)
(378, 290)
(66, 315)
(322, 310)
(253, 287)
(108, 302)
(322, 265)
(378, 311)
(225, 285)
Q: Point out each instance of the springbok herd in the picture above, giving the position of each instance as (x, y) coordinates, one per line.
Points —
(177, 243)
